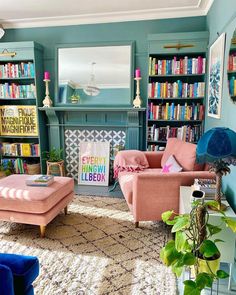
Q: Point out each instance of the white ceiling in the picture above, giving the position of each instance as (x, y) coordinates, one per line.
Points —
(40, 13)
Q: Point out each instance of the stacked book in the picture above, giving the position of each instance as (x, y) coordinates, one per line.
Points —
(232, 62)
(40, 180)
(206, 185)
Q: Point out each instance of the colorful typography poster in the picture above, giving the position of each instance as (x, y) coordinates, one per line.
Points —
(94, 163)
(18, 120)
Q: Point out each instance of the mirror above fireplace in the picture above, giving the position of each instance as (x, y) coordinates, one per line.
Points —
(95, 75)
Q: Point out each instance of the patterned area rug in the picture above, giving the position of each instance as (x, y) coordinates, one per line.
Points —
(94, 250)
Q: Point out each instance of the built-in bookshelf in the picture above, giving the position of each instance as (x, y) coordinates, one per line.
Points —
(23, 135)
(176, 87)
(232, 71)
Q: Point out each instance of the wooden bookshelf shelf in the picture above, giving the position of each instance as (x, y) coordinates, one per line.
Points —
(15, 136)
(176, 88)
(175, 98)
(177, 75)
(17, 79)
(8, 156)
(13, 99)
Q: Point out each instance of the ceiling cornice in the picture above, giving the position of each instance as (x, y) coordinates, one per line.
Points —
(136, 15)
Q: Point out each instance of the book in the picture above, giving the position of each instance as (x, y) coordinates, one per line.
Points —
(208, 186)
(40, 180)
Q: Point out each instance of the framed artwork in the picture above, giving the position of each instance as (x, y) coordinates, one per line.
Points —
(215, 76)
(94, 163)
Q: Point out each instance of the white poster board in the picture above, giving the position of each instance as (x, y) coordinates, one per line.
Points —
(94, 163)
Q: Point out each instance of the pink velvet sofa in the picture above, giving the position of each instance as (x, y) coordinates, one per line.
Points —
(150, 192)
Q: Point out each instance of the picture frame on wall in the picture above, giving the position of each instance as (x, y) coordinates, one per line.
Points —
(215, 76)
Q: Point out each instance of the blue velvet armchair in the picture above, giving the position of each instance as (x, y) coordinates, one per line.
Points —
(17, 273)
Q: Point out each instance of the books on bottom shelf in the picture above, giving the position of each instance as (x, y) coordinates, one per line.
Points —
(40, 180)
(208, 186)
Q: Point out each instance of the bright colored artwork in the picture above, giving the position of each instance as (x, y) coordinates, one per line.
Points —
(94, 163)
(215, 73)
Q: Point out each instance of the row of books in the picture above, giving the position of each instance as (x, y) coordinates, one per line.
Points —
(232, 62)
(21, 70)
(155, 148)
(187, 133)
(20, 149)
(176, 89)
(232, 86)
(175, 112)
(17, 91)
(20, 166)
(175, 66)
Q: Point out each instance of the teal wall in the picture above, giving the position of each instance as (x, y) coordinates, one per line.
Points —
(107, 96)
(96, 33)
(222, 18)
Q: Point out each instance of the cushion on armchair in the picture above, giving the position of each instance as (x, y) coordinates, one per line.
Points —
(25, 270)
(184, 153)
(130, 161)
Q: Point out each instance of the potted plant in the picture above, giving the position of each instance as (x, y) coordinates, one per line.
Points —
(6, 170)
(55, 162)
(75, 98)
(194, 247)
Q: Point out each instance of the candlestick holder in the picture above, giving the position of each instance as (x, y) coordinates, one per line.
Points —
(47, 102)
(137, 101)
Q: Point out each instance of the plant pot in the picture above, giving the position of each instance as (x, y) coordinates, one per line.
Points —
(208, 266)
(55, 168)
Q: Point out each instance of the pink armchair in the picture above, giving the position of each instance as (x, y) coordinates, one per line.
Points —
(150, 192)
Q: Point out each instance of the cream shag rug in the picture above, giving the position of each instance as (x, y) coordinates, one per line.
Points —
(94, 250)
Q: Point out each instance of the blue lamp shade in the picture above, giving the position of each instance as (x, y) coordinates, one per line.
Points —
(217, 144)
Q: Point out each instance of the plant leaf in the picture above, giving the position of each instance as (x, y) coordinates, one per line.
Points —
(218, 240)
(191, 288)
(189, 259)
(213, 229)
(182, 222)
(177, 270)
(208, 249)
(180, 241)
(169, 254)
(203, 280)
(166, 215)
(231, 223)
(222, 274)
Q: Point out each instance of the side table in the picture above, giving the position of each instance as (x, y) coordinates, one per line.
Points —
(227, 248)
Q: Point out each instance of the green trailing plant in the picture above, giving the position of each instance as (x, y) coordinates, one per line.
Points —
(193, 240)
(7, 169)
(54, 155)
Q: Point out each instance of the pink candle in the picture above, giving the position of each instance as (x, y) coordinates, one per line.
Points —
(46, 76)
(137, 73)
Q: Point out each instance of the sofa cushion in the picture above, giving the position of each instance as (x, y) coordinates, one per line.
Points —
(130, 160)
(184, 153)
(171, 165)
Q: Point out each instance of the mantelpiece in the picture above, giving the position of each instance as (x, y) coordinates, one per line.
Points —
(67, 126)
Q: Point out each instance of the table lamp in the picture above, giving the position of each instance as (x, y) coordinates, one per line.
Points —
(217, 147)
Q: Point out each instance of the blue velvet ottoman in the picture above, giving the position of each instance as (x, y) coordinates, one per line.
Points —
(24, 269)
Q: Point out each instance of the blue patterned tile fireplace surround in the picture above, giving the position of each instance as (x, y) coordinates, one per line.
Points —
(68, 126)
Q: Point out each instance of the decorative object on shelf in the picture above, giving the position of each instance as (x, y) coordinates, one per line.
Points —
(75, 98)
(215, 73)
(2, 32)
(55, 163)
(20, 120)
(47, 102)
(194, 246)
(137, 101)
(91, 89)
(197, 195)
(218, 148)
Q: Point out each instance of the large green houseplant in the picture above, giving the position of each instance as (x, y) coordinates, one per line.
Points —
(193, 245)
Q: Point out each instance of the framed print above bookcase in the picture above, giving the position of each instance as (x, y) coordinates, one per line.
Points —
(215, 76)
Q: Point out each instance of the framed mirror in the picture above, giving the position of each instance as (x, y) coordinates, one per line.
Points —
(231, 70)
(95, 75)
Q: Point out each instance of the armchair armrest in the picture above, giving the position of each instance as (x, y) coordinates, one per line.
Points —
(154, 159)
